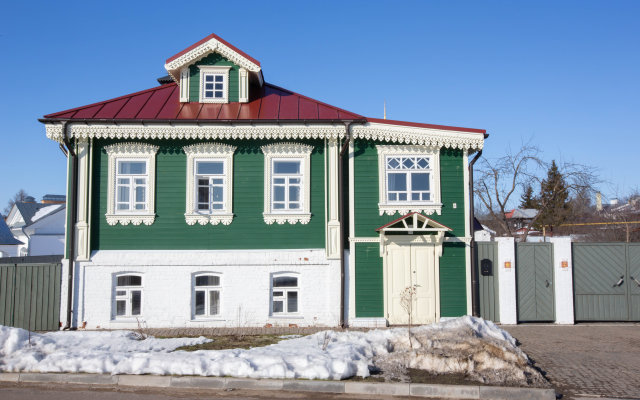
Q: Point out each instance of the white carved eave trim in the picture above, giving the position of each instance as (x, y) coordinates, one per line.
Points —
(204, 219)
(206, 48)
(286, 218)
(381, 132)
(281, 149)
(197, 132)
(134, 219)
(430, 137)
(131, 149)
(208, 149)
(404, 209)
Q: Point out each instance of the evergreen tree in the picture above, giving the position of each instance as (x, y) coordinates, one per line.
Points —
(554, 199)
(527, 200)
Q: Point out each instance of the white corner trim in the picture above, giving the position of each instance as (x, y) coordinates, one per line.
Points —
(298, 151)
(214, 69)
(431, 137)
(210, 46)
(243, 83)
(184, 85)
(131, 150)
(405, 207)
(209, 151)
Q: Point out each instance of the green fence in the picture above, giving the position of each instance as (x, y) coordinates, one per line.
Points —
(30, 292)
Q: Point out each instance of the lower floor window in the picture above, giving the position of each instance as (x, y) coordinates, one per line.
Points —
(207, 295)
(285, 295)
(128, 296)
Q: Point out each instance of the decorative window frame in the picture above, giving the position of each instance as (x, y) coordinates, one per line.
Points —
(131, 151)
(114, 289)
(427, 207)
(285, 290)
(207, 289)
(209, 151)
(215, 69)
(287, 150)
(184, 85)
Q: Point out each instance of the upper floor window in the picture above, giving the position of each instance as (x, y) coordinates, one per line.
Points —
(409, 179)
(214, 84)
(131, 184)
(287, 183)
(209, 197)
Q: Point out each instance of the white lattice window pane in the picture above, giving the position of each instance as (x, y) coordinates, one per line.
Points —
(393, 163)
(419, 182)
(132, 167)
(278, 193)
(136, 302)
(415, 196)
(285, 281)
(218, 193)
(407, 163)
(423, 163)
(426, 196)
(210, 168)
(286, 167)
(292, 302)
(397, 181)
(294, 193)
(278, 306)
(121, 308)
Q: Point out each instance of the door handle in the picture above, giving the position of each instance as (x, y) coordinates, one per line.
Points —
(546, 283)
(620, 281)
(635, 280)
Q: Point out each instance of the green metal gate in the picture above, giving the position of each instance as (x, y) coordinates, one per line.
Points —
(487, 253)
(534, 272)
(30, 295)
(606, 281)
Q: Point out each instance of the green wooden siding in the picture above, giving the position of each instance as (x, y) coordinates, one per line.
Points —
(367, 220)
(170, 231)
(213, 59)
(369, 296)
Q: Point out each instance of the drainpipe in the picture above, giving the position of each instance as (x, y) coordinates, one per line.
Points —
(73, 208)
(475, 283)
(343, 150)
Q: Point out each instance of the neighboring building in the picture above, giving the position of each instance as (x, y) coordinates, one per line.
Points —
(214, 200)
(9, 245)
(40, 227)
(482, 233)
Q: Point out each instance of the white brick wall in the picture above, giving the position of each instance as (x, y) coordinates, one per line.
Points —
(167, 278)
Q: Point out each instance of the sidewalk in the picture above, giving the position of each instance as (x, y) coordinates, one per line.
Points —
(336, 387)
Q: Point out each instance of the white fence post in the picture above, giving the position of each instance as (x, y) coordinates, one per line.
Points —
(507, 280)
(563, 280)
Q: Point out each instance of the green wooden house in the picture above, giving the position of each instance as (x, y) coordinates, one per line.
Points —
(218, 199)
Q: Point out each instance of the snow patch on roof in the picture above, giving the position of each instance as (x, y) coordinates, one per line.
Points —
(44, 211)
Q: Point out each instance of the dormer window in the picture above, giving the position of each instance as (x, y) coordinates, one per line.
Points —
(214, 84)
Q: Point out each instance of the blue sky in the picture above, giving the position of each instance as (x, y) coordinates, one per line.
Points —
(562, 75)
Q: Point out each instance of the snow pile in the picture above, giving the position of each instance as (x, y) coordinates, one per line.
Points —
(468, 346)
(464, 345)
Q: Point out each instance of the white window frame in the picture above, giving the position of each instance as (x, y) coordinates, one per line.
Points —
(184, 85)
(403, 207)
(287, 151)
(214, 70)
(127, 297)
(285, 290)
(207, 290)
(130, 151)
(209, 152)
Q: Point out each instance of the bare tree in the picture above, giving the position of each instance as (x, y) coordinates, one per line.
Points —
(21, 195)
(499, 180)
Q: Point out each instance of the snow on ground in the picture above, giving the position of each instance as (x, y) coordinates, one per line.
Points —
(465, 345)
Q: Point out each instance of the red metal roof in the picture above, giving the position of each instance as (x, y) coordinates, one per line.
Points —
(206, 39)
(163, 103)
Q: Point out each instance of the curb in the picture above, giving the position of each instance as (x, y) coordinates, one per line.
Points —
(297, 385)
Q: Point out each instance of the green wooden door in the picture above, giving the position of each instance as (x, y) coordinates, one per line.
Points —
(534, 271)
(487, 252)
(602, 287)
(633, 265)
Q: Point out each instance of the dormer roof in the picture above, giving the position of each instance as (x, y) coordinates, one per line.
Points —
(210, 44)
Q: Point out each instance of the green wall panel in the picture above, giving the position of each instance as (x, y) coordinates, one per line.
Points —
(213, 59)
(170, 231)
(369, 296)
(367, 218)
(453, 283)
